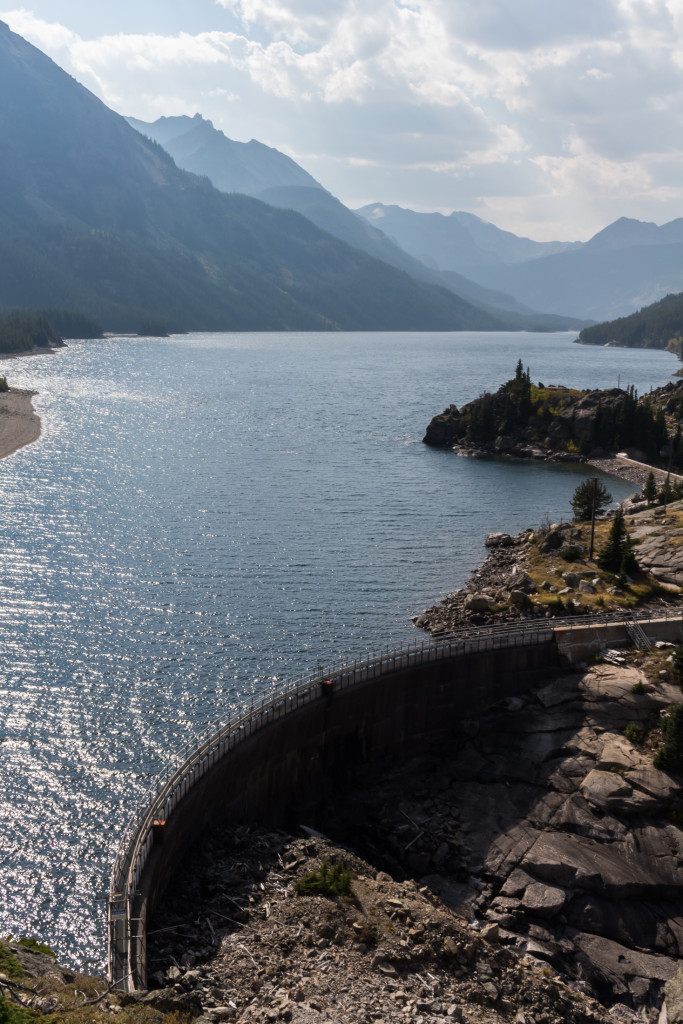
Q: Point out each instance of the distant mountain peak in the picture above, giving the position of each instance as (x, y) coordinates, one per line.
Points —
(457, 241)
(246, 167)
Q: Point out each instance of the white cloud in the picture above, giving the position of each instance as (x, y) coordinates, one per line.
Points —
(489, 105)
(49, 36)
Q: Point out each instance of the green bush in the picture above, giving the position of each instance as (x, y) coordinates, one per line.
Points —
(571, 553)
(332, 880)
(11, 1014)
(678, 662)
(9, 964)
(633, 733)
(671, 753)
(638, 687)
(30, 942)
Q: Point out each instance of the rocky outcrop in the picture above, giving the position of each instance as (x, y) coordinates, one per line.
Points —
(658, 537)
(499, 590)
(556, 423)
(547, 822)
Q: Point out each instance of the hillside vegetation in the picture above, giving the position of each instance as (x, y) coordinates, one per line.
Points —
(657, 326)
(97, 218)
(23, 330)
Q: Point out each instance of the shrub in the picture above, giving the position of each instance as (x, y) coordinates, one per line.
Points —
(638, 687)
(678, 662)
(30, 942)
(671, 753)
(633, 733)
(570, 553)
(11, 1014)
(332, 880)
(9, 964)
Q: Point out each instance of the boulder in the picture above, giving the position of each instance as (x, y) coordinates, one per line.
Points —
(606, 790)
(551, 542)
(504, 443)
(657, 784)
(617, 753)
(498, 540)
(478, 602)
(543, 900)
(520, 580)
(520, 599)
(572, 579)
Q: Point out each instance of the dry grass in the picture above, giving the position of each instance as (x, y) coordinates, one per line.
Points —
(551, 566)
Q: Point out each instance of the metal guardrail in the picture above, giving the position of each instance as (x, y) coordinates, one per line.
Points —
(201, 753)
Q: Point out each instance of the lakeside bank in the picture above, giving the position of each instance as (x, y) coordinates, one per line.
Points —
(19, 422)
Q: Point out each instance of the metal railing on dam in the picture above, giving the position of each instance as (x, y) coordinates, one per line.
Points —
(199, 755)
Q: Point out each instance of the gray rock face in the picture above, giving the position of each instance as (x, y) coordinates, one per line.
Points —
(657, 549)
(558, 822)
(673, 992)
(543, 900)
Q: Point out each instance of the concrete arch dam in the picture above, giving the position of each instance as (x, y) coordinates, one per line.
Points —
(283, 756)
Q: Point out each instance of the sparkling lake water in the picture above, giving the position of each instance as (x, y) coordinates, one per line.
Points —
(207, 516)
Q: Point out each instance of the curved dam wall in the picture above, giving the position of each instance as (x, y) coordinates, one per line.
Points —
(288, 755)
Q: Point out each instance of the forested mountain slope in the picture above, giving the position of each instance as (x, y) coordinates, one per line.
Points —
(98, 219)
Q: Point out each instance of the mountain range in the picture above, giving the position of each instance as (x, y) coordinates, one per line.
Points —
(173, 223)
(97, 218)
(625, 266)
(265, 173)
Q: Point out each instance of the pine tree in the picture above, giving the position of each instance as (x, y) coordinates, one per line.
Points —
(650, 489)
(582, 499)
(616, 554)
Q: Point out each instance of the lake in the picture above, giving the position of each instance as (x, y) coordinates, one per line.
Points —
(207, 516)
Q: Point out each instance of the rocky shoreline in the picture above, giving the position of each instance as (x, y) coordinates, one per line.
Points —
(527, 576)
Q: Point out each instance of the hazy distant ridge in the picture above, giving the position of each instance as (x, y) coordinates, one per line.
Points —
(268, 174)
(623, 267)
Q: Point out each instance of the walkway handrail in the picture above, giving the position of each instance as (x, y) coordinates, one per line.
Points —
(194, 759)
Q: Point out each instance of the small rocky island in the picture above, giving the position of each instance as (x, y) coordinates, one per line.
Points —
(535, 421)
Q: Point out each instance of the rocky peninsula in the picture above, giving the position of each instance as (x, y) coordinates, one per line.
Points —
(547, 572)
(535, 421)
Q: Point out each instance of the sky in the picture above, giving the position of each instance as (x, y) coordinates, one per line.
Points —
(549, 118)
